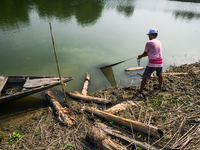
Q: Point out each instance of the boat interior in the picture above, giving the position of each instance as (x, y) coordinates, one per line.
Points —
(14, 84)
(11, 85)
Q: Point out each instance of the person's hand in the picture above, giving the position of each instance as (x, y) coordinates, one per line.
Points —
(139, 56)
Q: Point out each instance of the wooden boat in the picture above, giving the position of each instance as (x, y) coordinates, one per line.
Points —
(16, 87)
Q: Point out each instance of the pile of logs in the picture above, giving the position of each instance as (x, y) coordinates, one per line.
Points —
(99, 133)
(144, 128)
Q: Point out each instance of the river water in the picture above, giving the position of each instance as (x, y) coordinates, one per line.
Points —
(90, 34)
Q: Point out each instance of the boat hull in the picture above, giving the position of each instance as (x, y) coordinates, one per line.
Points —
(21, 80)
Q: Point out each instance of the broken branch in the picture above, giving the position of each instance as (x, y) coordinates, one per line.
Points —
(85, 85)
(63, 114)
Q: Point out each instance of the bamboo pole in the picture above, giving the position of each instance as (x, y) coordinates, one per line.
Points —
(57, 61)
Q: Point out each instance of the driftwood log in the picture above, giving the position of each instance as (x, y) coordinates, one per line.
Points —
(144, 128)
(85, 85)
(125, 137)
(100, 139)
(83, 95)
(77, 95)
(134, 68)
(176, 73)
(122, 106)
(63, 115)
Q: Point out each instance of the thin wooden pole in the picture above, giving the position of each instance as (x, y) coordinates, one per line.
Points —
(57, 61)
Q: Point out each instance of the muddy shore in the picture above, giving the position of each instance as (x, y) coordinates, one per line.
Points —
(174, 109)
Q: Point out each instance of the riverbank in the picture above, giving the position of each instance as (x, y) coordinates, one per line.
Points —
(174, 109)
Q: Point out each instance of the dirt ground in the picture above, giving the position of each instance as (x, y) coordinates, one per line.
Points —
(174, 109)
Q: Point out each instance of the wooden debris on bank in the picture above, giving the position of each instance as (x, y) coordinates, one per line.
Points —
(176, 73)
(134, 68)
(85, 85)
(33, 83)
(100, 139)
(3, 80)
(63, 115)
(122, 106)
(77, 95)
(166, 74)
(187, 138)
(125, 137)
(144, 128)
(83, 95)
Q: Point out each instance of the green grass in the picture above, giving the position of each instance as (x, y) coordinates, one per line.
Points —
(15, 137)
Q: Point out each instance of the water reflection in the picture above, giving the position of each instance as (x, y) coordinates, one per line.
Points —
(186, 15)
(126, 10)
(192, 1)
(86, 12)
(108, 73)
(14, 14)
(20, 106)
(126, 7)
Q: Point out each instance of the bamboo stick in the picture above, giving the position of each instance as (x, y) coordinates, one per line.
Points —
(57, 61)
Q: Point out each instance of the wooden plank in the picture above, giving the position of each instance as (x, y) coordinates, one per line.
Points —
(32, 83)
(3, 80)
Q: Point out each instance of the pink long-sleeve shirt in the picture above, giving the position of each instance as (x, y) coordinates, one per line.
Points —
(154, 52)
